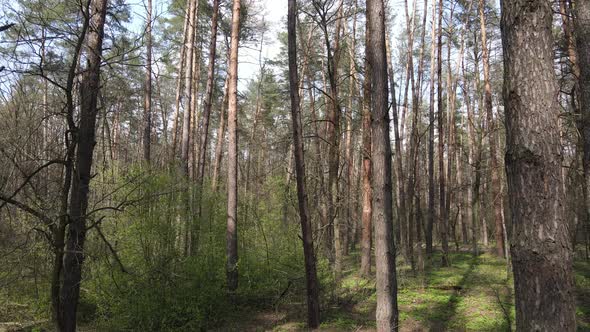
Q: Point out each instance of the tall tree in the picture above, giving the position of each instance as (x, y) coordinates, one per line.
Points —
(496, 193)
(85, 139)
(188, 85)
(582, 29)
(232, 159)
(386, 313)
(443, 214)
(541, 247)
(367, 207)
(313, 302)
(147, 98)
(431, 188)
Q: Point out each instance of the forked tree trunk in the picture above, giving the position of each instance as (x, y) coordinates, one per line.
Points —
(76, 233)
(541, 247)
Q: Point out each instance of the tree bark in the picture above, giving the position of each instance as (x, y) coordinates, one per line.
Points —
(431, 188)
(444, 214)
(582, 29)
(386, 312)
(188, 86)
(232, 160)
(496, 193)
(147, 99)
(541, 247)
(85, 137)
(313, 303)
(366, 236)
(220, 137)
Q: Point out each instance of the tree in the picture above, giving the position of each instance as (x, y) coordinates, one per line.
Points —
(232, 160)
(147, 131)
(496, 192)
(311, 279)
(367, 208)
(582, 32)
(541, 247)
(387, 314)
(85, 136)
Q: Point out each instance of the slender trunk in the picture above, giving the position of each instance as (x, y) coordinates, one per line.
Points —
(181, 69)
(147, 102)
(582, 28)
(541, 247)
(232, 160)
(85, 137)
(188, 86)
(496, 193)
(220, 137)
(313, 303)
(431, 188)
(367, 215)
(208, 100)
(444, 216)
(386, 312)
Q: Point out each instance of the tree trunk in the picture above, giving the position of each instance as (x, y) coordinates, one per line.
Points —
(313, 303)
(444, 214)
(431, 189)
(232, 160)
(386, 312)
(541, 247)
(582, 29)
(366, 230)
(147, 102)
(179, 86)
(208, 99)
(188, 86)
(220, 137)
(496, 193)
(85, 137)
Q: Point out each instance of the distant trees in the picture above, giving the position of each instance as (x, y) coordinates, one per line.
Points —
(541, 247)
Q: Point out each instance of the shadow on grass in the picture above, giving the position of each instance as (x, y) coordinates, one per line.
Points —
(441, 315)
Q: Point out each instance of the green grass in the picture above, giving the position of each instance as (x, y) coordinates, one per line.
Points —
(473, 294)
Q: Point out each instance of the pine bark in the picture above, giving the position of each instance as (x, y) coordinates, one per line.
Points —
(496, 193)
(541, 246)
(232, 159)
(387, 310)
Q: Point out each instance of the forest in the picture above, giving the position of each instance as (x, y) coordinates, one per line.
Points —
(294, 165)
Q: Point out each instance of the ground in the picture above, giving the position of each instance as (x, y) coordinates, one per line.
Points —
(473, 294)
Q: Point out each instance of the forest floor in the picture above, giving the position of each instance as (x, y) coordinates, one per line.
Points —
(473, 294)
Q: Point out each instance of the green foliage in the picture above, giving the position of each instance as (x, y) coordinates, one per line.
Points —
(157, 286)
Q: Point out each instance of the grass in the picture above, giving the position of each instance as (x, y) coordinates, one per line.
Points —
(473, 294)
